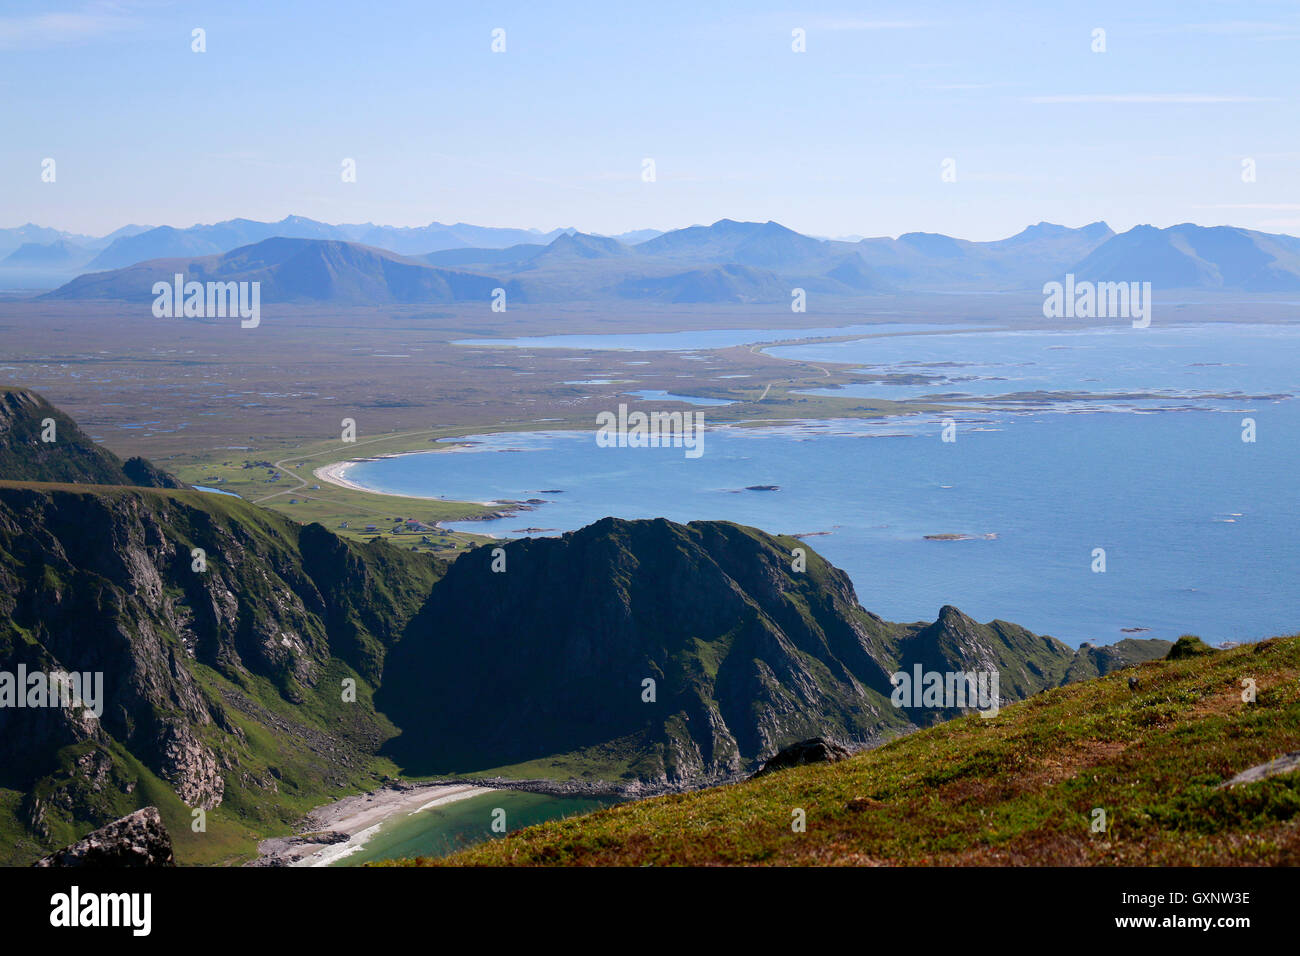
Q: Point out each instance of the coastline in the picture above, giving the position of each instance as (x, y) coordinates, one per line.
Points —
(335, 830)
(343, 827)
(335, 474)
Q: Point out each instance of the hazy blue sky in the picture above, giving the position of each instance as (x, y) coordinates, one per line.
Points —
(846, 138)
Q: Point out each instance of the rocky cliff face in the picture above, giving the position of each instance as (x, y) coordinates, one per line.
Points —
(40, 443)
(217, 675)
(685, 653)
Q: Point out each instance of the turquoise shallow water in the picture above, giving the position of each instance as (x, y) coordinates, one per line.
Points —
(1200, 529)
(454, 826)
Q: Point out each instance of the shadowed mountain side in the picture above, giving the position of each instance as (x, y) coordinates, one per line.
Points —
(40, 443)
(220, 687)
(549, 658)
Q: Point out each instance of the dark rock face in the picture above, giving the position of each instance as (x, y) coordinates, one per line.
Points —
(145, 473)
(100, 581)
(553, 656)
(690, 652)
(26, 422)
(816, 750)
(136, 840)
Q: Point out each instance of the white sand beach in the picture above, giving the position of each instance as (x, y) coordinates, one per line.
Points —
(342, 828)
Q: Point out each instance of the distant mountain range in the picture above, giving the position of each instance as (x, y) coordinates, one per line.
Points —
(732, 262)
(132, 244)
(299, 270)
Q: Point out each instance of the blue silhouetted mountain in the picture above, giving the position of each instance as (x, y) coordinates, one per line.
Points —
(167, 242)
(726, 262)
(719, 284)
(11, 239)
(61, 252)
(298, 270)
(922, 261)
(580, 245)
(1197, 257)
(164, 242)
(763, 244)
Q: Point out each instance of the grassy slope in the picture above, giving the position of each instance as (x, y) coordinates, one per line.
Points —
(330, 504)
(1017, 789)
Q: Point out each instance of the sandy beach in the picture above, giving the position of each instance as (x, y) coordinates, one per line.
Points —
(341, 828)
(336, 474)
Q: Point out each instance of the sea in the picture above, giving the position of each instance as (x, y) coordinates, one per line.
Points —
(1097, 483)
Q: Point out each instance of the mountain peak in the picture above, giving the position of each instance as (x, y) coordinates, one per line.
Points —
(72, 458)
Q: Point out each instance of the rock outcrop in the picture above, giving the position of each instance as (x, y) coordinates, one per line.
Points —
(38, 442)
(816, 750)
(139, 839)
(1287, 763)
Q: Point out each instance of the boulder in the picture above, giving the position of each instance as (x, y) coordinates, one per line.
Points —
(1284, 764)
(814, 750)
(139, 839)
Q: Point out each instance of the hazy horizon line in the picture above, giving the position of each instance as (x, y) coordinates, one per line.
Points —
(842, 237)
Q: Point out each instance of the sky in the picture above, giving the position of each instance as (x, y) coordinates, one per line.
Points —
(848, 138)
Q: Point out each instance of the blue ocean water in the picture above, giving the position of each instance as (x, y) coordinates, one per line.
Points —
(1200, 529)
(1223, 358)
(693, 340)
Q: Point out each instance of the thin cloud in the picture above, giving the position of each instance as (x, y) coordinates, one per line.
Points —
(1238, 27)
(832, 24)
(964, 86)
(1157, 98)
(40, 30)
(1271, 206)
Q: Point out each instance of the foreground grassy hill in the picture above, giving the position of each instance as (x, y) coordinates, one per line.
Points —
(1021, 788)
